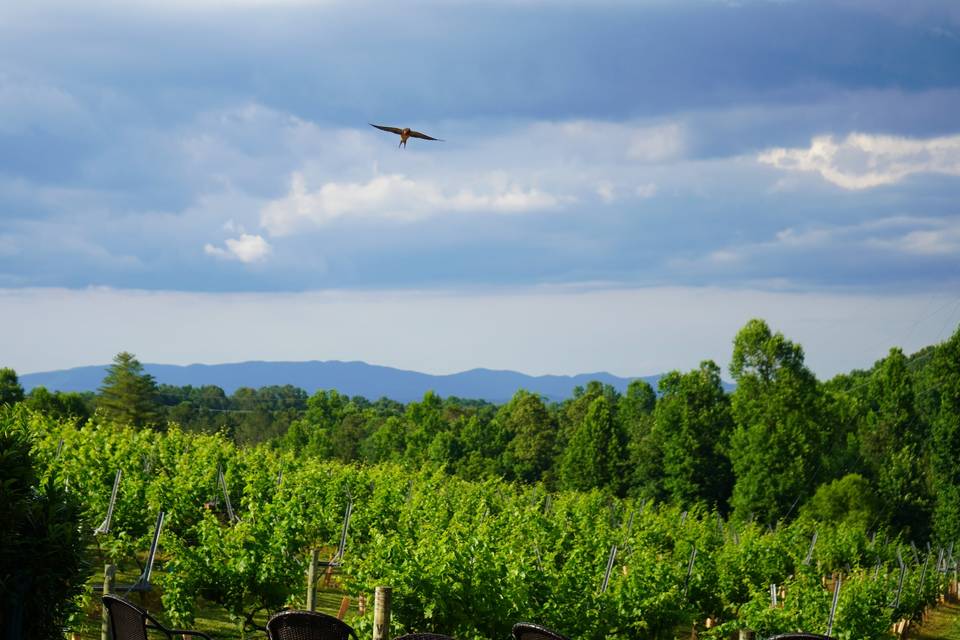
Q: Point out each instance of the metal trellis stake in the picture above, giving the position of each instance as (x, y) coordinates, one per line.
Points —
(833, 606)
(813, 543)
(686, 581)
(105, 525)
(610, 560)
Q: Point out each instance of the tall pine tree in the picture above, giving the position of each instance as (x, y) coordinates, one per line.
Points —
(128, 395)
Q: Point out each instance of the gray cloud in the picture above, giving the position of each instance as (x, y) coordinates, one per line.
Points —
(627, 133)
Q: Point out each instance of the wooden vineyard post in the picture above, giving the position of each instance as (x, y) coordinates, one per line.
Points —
(109, 571)
(312, 581)
(344, 605)
(381, 613)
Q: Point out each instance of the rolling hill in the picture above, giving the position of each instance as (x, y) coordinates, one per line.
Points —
(351, 378)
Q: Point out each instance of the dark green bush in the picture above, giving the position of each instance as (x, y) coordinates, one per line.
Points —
(42, 548)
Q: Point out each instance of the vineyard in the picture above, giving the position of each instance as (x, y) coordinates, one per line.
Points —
(464, 558)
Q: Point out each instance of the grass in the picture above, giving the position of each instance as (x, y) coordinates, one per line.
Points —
(943, 623)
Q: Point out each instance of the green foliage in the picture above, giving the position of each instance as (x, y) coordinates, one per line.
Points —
(596, 452)
(850, 499)
(10, 390)
(465, 558)
(691, 429)
(128, 395)
(59, 404)
(782, 432)
(532, 436)
(893, 442)
(43, 562)
(945, 445)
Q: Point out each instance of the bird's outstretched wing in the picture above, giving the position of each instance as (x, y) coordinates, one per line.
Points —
(423, 136)
(383, 128)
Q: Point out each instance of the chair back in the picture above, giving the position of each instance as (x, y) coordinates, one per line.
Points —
(127, 620)
(531, 631)
(308, 625)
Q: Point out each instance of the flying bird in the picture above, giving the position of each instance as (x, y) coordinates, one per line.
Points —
(404, 134)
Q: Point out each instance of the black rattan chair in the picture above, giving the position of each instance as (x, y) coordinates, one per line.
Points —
(531, 631)
(130, 622)
(423, 636)
(308, 625)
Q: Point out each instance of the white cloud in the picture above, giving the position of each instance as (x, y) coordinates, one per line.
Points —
(247, 248)
(392, 196)
(863, 161)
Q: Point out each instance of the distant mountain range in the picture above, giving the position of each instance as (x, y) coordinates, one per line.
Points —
(351, 378)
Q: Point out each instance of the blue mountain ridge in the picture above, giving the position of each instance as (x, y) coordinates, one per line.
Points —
(351, 378)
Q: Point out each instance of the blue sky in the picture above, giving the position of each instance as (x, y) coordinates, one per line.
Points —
(606, 167)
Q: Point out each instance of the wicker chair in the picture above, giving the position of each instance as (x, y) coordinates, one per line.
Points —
(423, 636)
(130, 622)
(531, 631)
(308, 625)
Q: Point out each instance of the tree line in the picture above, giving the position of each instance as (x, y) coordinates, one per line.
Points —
(875, 447)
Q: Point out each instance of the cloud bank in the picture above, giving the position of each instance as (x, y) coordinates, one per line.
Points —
(864, 161)
(392, 197)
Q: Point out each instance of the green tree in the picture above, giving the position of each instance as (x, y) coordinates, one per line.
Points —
(314, 432)
(594, 457)
(58, 405)
(10, 390)
(780, 433)
(349, 433)
(850, 500)
(636, 404)
(387, 442)
(893, 439)
(645, 468)
(483, 445)
(204, 409)
(945, 437)
(424, 421)
(532, 437)
(572, 412)
(692, 427)
(128, 395)
(267, 412)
